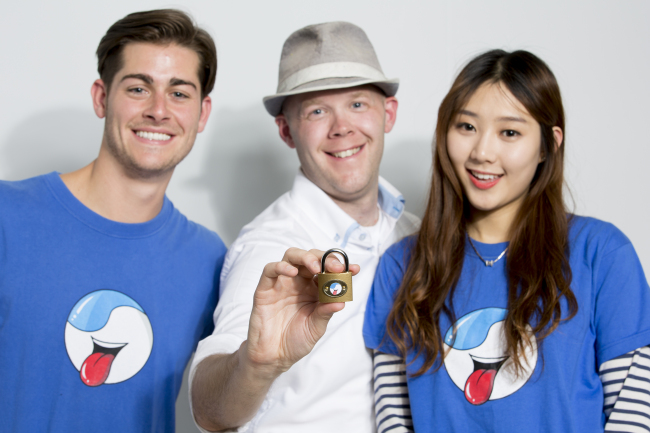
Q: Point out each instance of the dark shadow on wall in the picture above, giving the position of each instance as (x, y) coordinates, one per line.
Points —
(184, 417)
(56, 140)
(407, 166)
(246, 167)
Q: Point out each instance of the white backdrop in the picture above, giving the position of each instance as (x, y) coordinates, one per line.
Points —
(599, 51)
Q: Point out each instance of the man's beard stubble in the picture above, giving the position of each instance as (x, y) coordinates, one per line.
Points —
(131, 167)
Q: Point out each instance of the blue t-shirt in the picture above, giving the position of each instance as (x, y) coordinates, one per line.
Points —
(560, 391)
(97, 318)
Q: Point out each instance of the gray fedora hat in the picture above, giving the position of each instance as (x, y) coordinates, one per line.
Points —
(326, 56)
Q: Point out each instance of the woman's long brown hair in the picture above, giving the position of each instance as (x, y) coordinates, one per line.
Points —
(537, 266)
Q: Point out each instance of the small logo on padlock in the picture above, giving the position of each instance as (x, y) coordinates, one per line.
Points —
(335, 288)
(332, 286)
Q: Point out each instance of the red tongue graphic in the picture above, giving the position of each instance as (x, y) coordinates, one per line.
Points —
(95, 368)
(479, 386)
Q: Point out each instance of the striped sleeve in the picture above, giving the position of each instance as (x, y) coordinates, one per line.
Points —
(626, 384)
(392, 407)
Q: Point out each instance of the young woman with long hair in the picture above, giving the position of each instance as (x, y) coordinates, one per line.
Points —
(505, 308)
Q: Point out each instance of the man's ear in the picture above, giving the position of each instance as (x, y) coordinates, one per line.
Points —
(99, 95)
(206, 107)
(391, 113)
(284, 130)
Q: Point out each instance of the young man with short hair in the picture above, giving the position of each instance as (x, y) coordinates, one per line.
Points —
(105, 287)
(270, 366)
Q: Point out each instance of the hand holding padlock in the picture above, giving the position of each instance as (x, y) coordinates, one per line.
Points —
(287, 320)
(335, 287)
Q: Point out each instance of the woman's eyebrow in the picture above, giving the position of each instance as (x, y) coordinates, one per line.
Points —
(468, 113)
(511, 119)
(499, 119)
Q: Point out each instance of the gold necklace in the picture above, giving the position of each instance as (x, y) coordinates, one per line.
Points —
(487, 262)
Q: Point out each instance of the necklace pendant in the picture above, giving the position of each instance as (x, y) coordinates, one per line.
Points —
(489, 263)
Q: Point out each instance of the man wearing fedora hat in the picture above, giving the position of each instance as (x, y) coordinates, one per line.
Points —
(270, 365)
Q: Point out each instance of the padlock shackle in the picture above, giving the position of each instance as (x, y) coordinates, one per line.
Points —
(334, 250)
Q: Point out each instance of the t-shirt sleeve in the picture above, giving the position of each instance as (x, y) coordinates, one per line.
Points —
(208, 327)
(388, 279)
(622, 302)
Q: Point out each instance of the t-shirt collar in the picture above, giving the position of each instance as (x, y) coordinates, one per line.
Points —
(333, 220)
(104, 225)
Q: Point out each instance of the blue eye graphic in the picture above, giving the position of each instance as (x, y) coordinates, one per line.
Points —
(472, 329)
(93, 310)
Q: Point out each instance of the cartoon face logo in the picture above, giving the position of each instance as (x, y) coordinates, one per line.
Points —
(476, 360)
(108, 337)
(335, 288)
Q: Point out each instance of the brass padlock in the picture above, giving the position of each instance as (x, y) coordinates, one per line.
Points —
(335, 287)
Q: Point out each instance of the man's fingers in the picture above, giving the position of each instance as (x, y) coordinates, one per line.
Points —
(324, 312)
(274, 270)
(308, 259)
(307, 263)
(327, 310)
(333, 264)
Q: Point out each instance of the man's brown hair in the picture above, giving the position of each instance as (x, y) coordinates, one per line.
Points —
(162, 26)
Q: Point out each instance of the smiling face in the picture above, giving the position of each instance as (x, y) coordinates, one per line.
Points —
(154, 109)
(477, 360)
(108, 337)
(494, 145)
(339, 137)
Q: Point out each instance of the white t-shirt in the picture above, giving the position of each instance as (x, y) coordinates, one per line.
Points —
(330, 389)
